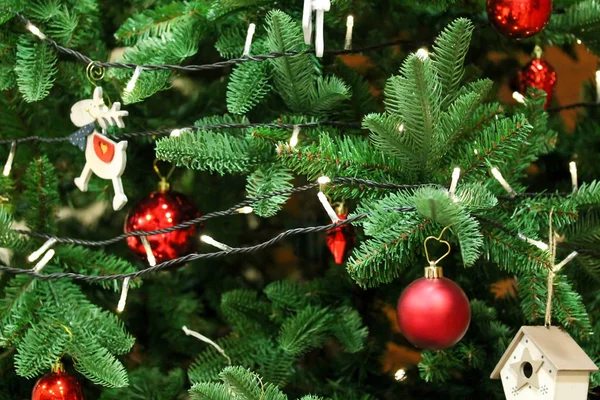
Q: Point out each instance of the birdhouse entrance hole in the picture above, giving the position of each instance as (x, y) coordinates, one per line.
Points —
(527, 369)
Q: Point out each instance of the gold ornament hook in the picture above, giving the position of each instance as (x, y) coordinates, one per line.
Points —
(58, 366)
(163, 185)
(94, 72)
(439, 239)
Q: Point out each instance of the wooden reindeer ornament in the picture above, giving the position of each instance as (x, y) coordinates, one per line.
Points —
(104, 157)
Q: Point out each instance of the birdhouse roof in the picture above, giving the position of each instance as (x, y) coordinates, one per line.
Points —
(558, 347)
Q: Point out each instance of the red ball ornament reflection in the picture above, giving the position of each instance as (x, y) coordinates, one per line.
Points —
(162, 209)
(57, 386)
(433, 312)
(539, 74)
(519, 18)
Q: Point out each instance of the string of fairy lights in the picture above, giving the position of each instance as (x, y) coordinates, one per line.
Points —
(45, 253)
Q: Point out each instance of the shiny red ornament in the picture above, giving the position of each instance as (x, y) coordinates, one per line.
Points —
(340, 240)
(159, 210)
(433, 312)
(57, 386)
(539, 74)
(519, 18)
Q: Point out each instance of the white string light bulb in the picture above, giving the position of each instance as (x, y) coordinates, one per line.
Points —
(328, 208)
(36, 254)
(249, 36)
(518, 97)
(294, 137)
(349, 29)
(209, 240)
(245, 210)
(423, 53)
(133, 81)
(149, 255)
(123, 298)
(503, 182)
(573, 172)
(36, 31)
(537, 243)
(454, 183)
(44, 261)
(10, 159)
(323, 180)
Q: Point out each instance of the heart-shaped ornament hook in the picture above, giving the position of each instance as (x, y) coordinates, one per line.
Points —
(439, 239)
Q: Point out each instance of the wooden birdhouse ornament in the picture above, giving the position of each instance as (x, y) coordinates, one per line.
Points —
(544, 362)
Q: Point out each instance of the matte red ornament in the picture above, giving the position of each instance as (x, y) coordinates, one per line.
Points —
(159, 210)
(340, 240)
(539, 74)
(57, 386)
(519, 18)
(433, 312)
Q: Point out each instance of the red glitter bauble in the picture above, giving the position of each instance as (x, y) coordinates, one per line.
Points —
(519, 18)
(539, 74)
(57, 386)
(433, 313)
(160, 210)
(340, 239)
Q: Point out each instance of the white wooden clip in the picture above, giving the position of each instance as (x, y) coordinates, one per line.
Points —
(307, 21)
(320, 7)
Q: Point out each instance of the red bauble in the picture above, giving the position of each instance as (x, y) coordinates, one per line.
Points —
(539, 74)
(340, 240)
(519, 18)
(433, 313)
(57, 386)
(162, 209)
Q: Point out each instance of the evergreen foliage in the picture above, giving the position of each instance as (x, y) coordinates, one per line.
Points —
(289, 325)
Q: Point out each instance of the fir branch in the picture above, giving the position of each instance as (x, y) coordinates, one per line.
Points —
(328, 94)
(35, 68)
(293, 76)
(449, 52)
(95, 363)
(242, 382)
(496, 146)
(248, 85)
(158, 21)
(349, 330)
(242, 349)
(267, 179)
(333, 156)
(210, 391)
(149, 383)
(245, 311)
(208, 151)
(41, 194)
(286, 295)
(304, 331)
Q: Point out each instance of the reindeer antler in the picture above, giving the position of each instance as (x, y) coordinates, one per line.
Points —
(107, 117)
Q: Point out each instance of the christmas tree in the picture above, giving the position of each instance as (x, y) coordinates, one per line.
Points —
(298, 165)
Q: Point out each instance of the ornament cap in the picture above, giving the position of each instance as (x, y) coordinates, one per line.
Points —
(163, 185)
(58, 367)
(434, 272)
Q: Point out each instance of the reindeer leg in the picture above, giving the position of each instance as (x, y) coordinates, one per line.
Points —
(120, 199)
(84, 178)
